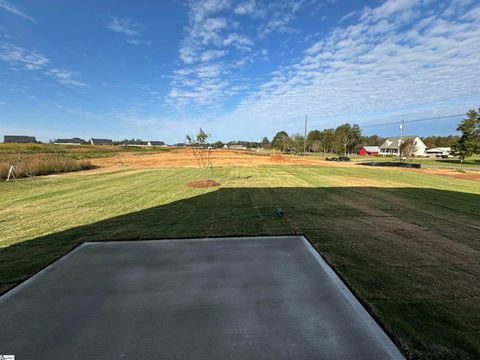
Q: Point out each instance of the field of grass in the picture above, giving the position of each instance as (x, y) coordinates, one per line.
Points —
(407, 243)
(75, 152)
(40, 164)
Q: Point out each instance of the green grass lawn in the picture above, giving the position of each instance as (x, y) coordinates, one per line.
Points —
(405, 242)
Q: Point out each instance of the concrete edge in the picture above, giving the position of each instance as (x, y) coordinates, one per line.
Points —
(32, 278)
(380, 335)
(208, 239)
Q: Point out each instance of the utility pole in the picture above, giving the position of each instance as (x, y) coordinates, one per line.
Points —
(402, 124)
(305, 137)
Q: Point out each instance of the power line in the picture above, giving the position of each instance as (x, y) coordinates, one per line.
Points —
(413, 120)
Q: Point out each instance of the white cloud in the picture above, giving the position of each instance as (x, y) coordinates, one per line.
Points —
(347, 16)
(215, 29)
(247, 8)
(127, 27)
(208, 55)
(65, 77)
(14, 10)
(19, 57)
(384, 63)
(238, 40)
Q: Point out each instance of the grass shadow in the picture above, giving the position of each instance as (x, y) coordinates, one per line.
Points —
(411, 255)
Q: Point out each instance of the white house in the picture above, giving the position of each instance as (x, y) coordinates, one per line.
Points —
(156, 143)
(391, 146)
(442, 152)
(73, 141)
(101, 141)
(237, 147)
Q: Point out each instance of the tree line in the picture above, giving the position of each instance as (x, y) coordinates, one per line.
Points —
(347, 139)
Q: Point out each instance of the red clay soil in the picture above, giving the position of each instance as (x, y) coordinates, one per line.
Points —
(277, 158)
(469, 175)
(202, 184)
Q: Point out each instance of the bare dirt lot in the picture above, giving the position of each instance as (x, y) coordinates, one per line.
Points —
(184, 158)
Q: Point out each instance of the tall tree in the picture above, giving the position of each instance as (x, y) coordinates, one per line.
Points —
(314, 137)
(265, 143)
(280, 141)
(469, 142)
(372, 140)
(347, 136)
(296, 143)
(355, 137)
(440, 141)
(328, 140)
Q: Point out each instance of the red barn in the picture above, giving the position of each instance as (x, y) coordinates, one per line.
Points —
(369, 150)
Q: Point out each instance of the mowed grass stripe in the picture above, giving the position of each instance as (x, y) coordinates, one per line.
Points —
(97, 199)
(406, 242)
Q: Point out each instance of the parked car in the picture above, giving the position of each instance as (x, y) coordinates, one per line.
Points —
(341, 158)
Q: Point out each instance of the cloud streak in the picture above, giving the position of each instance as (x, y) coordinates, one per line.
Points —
(19, 58)
(127, 27)
(399, 58)
(15, 10)
(215, 36)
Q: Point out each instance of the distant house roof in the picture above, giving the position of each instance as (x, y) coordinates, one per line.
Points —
(101, 142)
(156, 143)
(394, 142)
(237, 147)
(372, 149)
(134, 143)
(180, 144)
(19, 139)
(439, 150)
(70, 141)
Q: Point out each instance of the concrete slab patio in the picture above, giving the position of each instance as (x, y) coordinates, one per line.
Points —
(230, 298)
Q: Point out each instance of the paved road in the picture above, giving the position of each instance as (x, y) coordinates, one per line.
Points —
(250, 298)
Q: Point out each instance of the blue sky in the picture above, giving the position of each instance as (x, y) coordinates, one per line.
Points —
(240, 69)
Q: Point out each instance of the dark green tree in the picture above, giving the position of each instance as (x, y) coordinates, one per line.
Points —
(280, 141)
(217, 145)
(347, 137)
(265, 143)
(295, 144)
(314, 140)
(328, 140)
(469, 142)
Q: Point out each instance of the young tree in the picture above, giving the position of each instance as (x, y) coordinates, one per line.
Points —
(469, 142)
(201, 150)
(407, 147)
